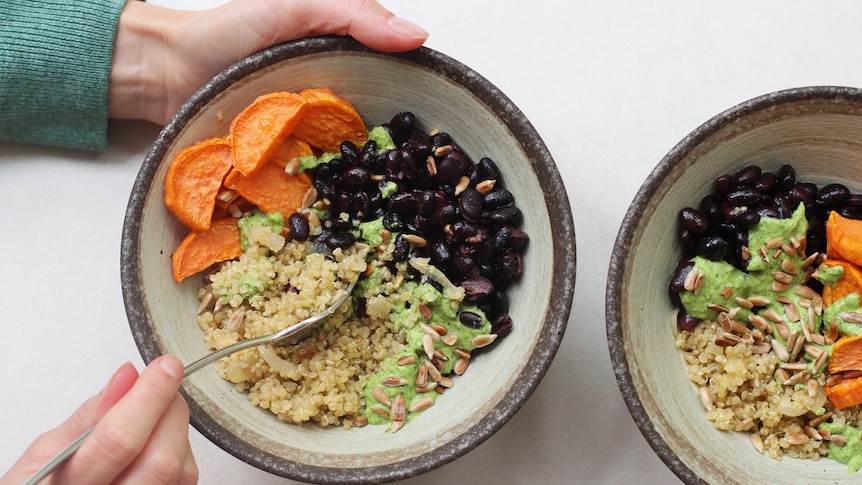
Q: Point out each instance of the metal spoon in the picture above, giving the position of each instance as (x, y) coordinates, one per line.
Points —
(289, 335)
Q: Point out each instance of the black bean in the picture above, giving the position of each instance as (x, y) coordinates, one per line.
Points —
(338, 239)
(425, 202)
(470, 203)
(501, 324)
(711, 207)
(748, 218)
(355, 177)
(685, 321)
(401, 250)
(747, 176)
(723, 186)
(850, 213)
(470, 319)
(510, 266)
(477, 287)
(833, 195)
(693, 220)
(419, 144)
(509, 214)
(368, 154)
(712, 247)
(486, 169)
(854, 201)
(349, 152)
(518, 239)
(441, 254)
(444, 214)
(677, 280)
(767, 211)
(497, 198)
(402, 203)
(786, 177)
(451, 168)
(393, 222)
(403, 121)
(463, 263)
(298, 225)
(745, 197)
(767, 183)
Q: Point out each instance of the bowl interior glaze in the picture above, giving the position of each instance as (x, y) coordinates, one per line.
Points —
(816, 129)
(443, 94)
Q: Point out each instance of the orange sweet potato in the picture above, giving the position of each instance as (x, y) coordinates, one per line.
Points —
(846, 355)
(289, 149)
(200, 250)
(850, 282)
(193, 181)
(846, 393)
(270, 188)
(844, 238)
(261, 127)
(329, 120)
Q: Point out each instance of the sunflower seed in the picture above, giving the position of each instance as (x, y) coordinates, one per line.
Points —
(427, 388)
(236, 319)
(485, 186)
(774, 243)
(462, 185)
(797, 439)
(760, 323)
(435, 336)
(383, 413)
(443, 150)
(431, 165)
(706, 398)
(820, 419)
(780, 350)
(690, 278)
(406, 359)
(794, 366)
(838, 440)
(461, 366)
(757, 300)
(428, 345)
(744, 303)
(797, 378)
(726, 292)
(360, 421)
(807, 262)
(779, 287)
(394, 381)
(205, 302)
(698, 283)
(813, 387)
(773, 316)
(381, 396)
(450, 338)
(399, 408)
(415, 240)
(422, 376)
(717, 308)
(422, 404)
(465, 354)
(484, 340)
(812, 433)
(760, 348)
(396, 425)
(446, 382)
(433, 371)
(852, 317)
(782, 277)
(757, 442)
(783, 330)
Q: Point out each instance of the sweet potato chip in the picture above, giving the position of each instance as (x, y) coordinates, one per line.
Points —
(850, 282)
(260, 128)
(289, 149)
(200, 250)
(270, 188)
(844, 238)
(329, 120)
(193, 181)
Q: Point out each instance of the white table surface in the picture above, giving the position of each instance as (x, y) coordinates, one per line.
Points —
(611, 86)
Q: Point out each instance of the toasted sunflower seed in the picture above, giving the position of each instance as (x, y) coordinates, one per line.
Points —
(797, 439)
(394, 381)
(706, 398)
(415, 240)
(780, 350)
(820, 419)
(484, 340)
(422, 404)
(774, 243)
(757, 442)
(406, 359)
(450, 338)
(435, 336)
(431, 165)
(788, 267)
(852, 317)
(757, 300)
(399, 408)
(383, 413)
(236, 319)
(838, 440)
(690, 278)
(744, 303)
(422, 376)
(486, 186)
(428, 345)
(461, 366)
(813, 387)
(381, 396)
(463, 183)
(396, 425)
(462, 352)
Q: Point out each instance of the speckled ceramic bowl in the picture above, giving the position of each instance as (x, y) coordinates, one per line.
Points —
(443, 94)
(816, 129)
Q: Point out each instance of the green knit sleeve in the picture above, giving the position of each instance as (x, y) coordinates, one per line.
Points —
(55, 60)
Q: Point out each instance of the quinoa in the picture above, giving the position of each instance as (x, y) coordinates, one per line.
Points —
(741, 393)
(321, 378)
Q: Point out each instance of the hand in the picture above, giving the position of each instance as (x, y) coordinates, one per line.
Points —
(162, 56)
(141, 435)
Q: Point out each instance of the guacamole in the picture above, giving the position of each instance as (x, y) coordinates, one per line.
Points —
(851, 453)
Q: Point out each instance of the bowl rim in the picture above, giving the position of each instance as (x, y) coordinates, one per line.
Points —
(560, 301)
(628, 228)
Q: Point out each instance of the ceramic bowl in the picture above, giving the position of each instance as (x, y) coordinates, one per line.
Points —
(816, 129)
(443, 94)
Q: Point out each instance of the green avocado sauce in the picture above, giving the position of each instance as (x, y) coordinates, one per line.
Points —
(851, 453)
(378, 134)
(275, 221)
(406, 314)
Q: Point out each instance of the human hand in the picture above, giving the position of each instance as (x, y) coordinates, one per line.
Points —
(162, 56)
(141, 435)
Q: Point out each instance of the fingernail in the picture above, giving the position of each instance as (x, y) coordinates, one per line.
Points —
(407, 28)
(172, 366)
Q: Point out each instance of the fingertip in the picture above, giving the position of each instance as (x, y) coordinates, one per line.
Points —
(118, 385)
(171, 366)
(406, 29)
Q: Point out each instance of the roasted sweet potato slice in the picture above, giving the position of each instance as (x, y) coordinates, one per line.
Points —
(193, 181)
(260, 128)
(328, 120)
(289, 149)
(200, 250)
(846, 393)
(851, 282)
(844, 238)
(270, 188)
(846, 355)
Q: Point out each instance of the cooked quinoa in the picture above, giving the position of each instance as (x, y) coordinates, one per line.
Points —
(319, 379)
(740, 393)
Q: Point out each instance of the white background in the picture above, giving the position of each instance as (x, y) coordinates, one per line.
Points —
(611, 86)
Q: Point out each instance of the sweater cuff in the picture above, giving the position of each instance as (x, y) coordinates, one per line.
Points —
(55, 61)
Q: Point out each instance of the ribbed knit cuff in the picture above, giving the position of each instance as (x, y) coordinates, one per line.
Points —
(55, 61)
